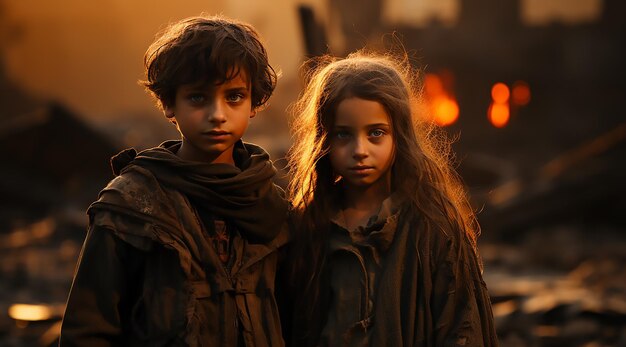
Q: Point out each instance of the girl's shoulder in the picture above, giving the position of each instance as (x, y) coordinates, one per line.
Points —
(441, 239)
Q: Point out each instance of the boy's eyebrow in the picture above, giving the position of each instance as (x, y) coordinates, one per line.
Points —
(204, 87)
(237, 89)
(236, 83)
(199, 87)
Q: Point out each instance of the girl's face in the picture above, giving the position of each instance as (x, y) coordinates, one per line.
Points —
(361, 142)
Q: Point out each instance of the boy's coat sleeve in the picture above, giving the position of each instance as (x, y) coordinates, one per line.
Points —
(97, 307)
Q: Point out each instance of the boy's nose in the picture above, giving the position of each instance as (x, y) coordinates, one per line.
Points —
(216, 113)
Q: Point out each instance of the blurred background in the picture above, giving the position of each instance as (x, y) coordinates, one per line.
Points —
(532, 91)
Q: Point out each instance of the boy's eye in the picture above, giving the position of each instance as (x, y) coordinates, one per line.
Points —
(235, 97)
(197, 98)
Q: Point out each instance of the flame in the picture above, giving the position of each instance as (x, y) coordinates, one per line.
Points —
(446, 111)
(433, 84)
(499, 114)
(443, 107)
(499, 111)
(26, 312)
(520, 94)
(500, 93)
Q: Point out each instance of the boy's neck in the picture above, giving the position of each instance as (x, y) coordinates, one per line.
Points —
(188, 152)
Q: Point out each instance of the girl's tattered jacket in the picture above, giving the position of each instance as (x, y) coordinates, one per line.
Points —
(149, 275)
(427, 291)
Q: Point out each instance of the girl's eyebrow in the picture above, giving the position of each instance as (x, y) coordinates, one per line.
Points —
(366, 126)
(377, 125)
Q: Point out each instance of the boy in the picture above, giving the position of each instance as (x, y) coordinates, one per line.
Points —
(181, 248)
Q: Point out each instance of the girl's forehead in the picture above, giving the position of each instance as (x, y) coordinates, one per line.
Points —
(357, 112)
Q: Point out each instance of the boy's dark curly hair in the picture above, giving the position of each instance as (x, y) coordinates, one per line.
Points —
(207, 50)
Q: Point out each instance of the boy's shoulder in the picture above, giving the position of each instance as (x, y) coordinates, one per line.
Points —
(135, 192)
(129, 207)
(133, 185)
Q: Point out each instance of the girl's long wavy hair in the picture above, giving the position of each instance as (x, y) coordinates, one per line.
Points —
(421, 173)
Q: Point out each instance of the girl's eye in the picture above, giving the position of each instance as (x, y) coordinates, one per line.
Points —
(235, 98)
(377, 133)
(342, 135)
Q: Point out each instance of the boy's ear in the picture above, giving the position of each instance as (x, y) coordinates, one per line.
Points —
(253, 112)
(168, 111)
(169, 114)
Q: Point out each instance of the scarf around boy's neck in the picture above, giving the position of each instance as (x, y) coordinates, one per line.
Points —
(243, 194)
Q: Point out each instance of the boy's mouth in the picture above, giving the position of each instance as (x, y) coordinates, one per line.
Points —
(216, 132)
(216, 135)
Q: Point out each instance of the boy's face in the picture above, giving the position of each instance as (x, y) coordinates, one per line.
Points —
(212, 118)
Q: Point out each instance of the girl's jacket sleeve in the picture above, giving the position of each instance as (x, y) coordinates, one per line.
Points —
(101, 296)
(462, 314)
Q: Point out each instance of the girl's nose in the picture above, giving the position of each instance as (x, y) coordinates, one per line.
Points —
(360, 148)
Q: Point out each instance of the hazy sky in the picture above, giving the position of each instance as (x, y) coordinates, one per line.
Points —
(534, 12)
(89, 54)
(538, 12)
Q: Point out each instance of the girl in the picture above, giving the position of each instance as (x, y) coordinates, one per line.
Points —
(384, 235)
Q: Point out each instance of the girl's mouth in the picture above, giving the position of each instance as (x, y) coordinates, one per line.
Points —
(361, 169)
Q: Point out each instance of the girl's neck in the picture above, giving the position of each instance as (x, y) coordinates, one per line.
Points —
(364, 198)
(360, 203)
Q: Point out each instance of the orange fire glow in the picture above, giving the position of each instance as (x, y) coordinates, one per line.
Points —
(520, 95)
(499, 114)
(499, 111)
(500, 93)
(26, 312)
(433, 84)
(443, 107)
(446, 111)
